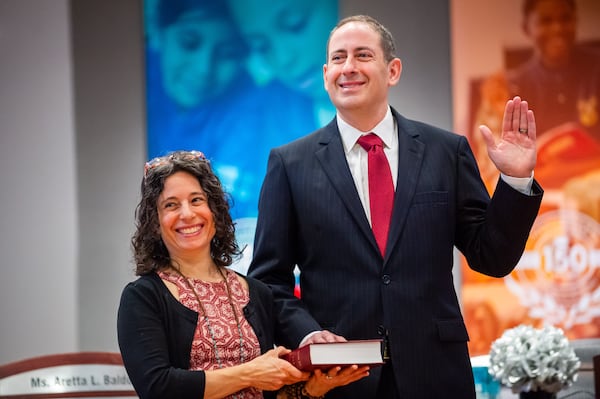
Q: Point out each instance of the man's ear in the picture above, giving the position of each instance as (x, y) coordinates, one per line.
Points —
(395, 70)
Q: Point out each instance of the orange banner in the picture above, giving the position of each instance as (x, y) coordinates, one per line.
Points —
(557, 281)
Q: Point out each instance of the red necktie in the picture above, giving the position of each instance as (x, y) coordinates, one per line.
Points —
(381, 188)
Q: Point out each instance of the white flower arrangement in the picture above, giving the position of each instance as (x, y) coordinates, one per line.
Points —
(529, 359)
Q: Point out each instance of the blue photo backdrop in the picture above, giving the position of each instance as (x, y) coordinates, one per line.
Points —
(233, 79)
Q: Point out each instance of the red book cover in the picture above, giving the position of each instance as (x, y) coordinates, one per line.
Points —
(331, 354)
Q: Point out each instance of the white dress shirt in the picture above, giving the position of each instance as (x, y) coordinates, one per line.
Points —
(357, 156)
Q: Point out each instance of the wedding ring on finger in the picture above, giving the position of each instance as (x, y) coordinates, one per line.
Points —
(523, 130)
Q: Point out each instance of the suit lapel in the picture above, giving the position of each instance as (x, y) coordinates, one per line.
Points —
(333, 160)
(410, 159)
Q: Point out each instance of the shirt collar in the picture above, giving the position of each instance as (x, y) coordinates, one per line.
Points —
(384, 129)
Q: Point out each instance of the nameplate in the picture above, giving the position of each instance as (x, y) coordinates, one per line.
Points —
(68, 379)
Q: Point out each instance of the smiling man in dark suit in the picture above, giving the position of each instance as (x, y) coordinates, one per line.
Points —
(362, 277)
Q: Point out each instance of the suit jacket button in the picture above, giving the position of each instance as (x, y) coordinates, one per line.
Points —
(386, 279)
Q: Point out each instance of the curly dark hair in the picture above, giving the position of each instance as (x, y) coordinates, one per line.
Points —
(150, 253)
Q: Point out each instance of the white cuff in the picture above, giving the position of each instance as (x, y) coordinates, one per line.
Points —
(521, 184)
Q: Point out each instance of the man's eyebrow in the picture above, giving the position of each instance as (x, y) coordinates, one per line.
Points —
(344, 51)
(338, 51)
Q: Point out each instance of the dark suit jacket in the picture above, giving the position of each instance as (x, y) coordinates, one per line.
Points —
(310, 214)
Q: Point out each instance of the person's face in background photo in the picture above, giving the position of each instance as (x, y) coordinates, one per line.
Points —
(551, 25)
(286, 38)
(201, 54)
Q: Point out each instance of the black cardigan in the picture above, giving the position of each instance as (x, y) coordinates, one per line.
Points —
(155, 333)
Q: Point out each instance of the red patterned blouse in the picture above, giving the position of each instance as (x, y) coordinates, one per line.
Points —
(217, 342)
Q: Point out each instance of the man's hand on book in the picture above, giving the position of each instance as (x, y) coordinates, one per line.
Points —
(322, 382)
(322, 337)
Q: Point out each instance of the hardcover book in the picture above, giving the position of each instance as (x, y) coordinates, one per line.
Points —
(327, 355)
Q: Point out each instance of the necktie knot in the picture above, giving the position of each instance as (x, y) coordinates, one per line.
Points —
(369, 141)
